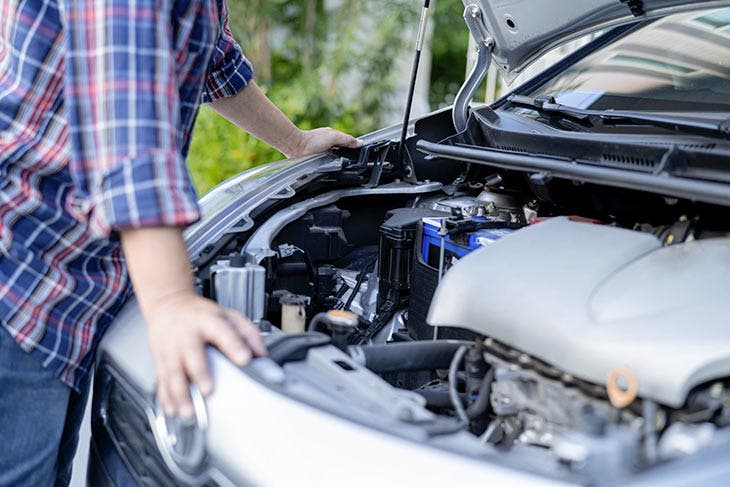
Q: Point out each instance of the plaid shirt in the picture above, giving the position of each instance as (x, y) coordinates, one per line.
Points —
(97, 103)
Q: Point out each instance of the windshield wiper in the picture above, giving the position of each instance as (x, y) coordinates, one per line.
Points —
(693, 125)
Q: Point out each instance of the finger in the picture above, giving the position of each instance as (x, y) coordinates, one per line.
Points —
(177, 384)
(249, 331)
(196, 366)
(164, 397)
(345, 140)
(162, 367)
(355, 143)
(220, 332)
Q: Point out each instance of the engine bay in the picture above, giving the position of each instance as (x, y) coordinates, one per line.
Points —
(576, 331)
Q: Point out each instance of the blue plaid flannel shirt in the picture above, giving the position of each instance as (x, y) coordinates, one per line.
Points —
(97, 102)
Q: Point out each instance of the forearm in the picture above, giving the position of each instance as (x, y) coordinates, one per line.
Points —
(158, 264)
(252, 111)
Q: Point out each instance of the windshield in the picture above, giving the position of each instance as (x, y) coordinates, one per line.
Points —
(677, 64)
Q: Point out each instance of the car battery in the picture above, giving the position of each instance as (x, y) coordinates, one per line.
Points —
(460, 238)
(457, 244)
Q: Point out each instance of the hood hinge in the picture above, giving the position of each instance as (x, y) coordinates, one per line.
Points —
(485, 44)
(636, 7)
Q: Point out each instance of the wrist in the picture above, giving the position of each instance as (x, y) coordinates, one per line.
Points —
(295, 144)
(151, 306)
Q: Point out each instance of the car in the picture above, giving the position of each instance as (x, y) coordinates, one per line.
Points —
(534, 292)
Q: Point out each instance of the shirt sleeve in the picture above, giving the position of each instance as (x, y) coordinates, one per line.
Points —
(123, 109)
(230, 70)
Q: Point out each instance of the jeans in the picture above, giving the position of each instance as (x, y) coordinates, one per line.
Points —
(40, 418)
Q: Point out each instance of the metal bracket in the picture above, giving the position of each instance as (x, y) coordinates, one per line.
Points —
(636, 7)
(358, 160)
(378, 168)
(475, 21)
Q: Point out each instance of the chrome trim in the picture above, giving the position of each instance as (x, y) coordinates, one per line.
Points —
(189, 468)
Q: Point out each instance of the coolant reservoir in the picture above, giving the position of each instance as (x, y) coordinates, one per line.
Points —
(240, 287)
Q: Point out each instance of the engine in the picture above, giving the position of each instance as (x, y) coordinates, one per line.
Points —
(600, 299)
(562, 336)
(610, 348)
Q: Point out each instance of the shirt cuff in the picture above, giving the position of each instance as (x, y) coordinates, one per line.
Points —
(233, 76)
(149, 190)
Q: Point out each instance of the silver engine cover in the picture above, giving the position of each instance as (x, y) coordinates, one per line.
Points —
(589, 298)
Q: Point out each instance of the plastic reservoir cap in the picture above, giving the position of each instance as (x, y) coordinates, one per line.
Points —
(291, 299)
(342, 317)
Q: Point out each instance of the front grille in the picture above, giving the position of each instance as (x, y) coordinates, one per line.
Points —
(130, 431)
(128, 425)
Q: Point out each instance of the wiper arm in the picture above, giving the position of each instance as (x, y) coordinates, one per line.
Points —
(547, 105)
(694, 125)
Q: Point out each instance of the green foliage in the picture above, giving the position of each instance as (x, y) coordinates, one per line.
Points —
(324, 63)
(449, 46)
(220, 149)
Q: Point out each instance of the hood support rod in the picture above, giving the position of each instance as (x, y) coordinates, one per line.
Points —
(409, 173)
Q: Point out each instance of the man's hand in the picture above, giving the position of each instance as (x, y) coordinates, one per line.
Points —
(321, 140)
(180, 326)
(180, 322)
(251, 111)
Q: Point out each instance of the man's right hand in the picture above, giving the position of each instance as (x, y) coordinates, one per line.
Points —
(180, 326)
(180, 322)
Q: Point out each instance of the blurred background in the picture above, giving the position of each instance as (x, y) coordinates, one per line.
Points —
(339, 63)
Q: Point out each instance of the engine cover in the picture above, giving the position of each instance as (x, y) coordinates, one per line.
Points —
(588, 298)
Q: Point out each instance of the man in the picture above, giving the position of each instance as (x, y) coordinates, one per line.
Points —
(97, 103)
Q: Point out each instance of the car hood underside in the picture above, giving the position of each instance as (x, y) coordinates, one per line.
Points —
(522, 30)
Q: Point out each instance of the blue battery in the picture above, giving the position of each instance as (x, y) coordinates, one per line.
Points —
(431, 241)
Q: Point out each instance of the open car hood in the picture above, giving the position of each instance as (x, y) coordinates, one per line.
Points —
(522, 30)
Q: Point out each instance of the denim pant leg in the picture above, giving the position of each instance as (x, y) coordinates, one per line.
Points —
(70, 438)
(33, 420)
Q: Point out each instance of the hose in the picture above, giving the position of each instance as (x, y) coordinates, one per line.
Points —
(438, 399)
(479, 407)
(453, 393)
(358, 284)
(316, 321)
(428, 355)
(406, 356)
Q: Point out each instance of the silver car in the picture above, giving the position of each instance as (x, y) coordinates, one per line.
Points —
(535, 292)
